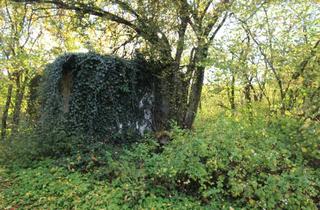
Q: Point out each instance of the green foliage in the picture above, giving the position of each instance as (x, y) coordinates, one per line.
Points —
(46, 186)
(22, 149)
(244, 161)
(244, 157)
(104, 98)
(33, 144)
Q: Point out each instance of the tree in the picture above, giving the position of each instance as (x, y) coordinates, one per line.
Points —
(282, 48)
(165, 29)
(17, 52)
(274, 57)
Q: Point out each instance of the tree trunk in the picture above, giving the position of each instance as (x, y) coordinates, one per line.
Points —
(5, 113)
(247, 93)
(196, 86)
(194, 98)
(170, 98)
(162, 106)
(33, 103)
(17, 107)
(232, 94)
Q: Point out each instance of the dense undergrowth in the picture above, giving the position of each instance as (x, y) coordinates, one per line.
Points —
(229, 161)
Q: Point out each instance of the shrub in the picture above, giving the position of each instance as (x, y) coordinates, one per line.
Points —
(32, 144)
(252, 164)
(234, 162)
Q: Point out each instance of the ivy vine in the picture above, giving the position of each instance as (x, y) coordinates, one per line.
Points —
(108, 97)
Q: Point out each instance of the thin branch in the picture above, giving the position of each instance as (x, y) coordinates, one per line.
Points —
(266, 58)
(219, 27)
(205, 10)
(126, 7)
(305, 62)
(29, 24)
(303, 65)
(123, 44)
(220, 8)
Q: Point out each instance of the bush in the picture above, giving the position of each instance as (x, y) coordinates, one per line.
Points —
(33, 144)
(241, 163)
(233, 162)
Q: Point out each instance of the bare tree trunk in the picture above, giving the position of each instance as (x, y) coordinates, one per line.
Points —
(5, 113)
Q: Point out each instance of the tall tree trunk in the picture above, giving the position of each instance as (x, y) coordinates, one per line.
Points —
(194, 98)
(196, 86)
(6, 113)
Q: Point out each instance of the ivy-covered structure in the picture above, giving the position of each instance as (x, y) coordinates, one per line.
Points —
(99, 96)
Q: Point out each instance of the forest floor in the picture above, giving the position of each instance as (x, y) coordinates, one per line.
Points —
(229, 161)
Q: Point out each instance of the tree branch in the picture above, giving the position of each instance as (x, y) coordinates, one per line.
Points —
(182, 31)
(220, 8)
(126, 7)
(87, 9)
(219, 27)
